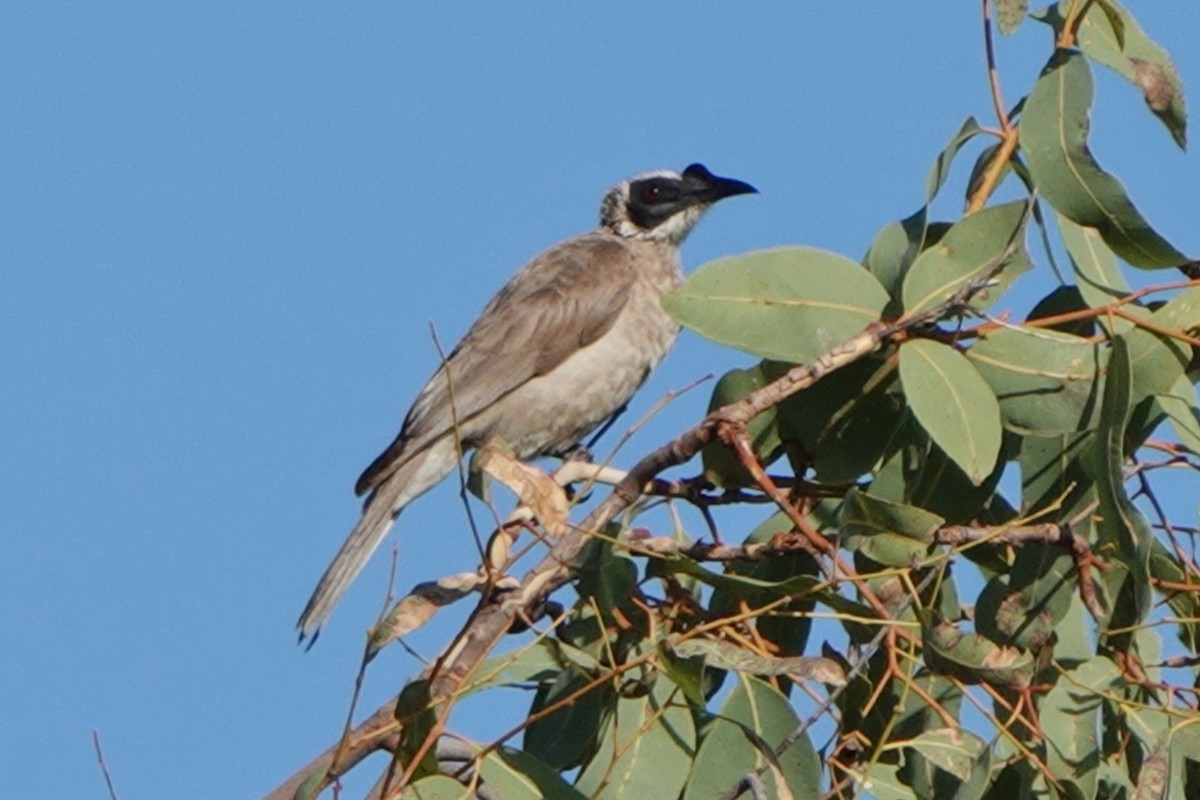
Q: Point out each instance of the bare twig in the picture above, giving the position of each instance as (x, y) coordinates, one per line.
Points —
(112, 793)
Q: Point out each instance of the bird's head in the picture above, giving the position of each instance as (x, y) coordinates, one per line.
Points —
(664, 205)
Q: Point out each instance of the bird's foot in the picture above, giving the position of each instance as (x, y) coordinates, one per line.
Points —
(580, 452)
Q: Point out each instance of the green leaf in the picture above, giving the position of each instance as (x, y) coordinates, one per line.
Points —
(1045, 381)
(1025, 606)
(1143, 62)
(646, 747)
(945, 159)
(895, 248)
(1070, 716)
(561, 738)
(942, 487)
(687, 672)
(437, 787)
(882, 782)
(607, 575)
(1053, 130)
(1111, 36)
(534, 663)
(1063, 300)
(951, 749)
(980, 169)
(968, 251)
(844, 421)
(752, 722)
(917, 472)
(516, 775)
(897, 244)
(1010, 14)
(754, 589)
(790, 304)
(1183, 412)
(789, 628)
(312, 785)
(1123, 529)
(721, 464)
(893, 534)
(415, 708)
(1096, 269)
(1052, 472)
(728, 656)
(1158, 361)
(953, 403)
(1165, 566)
(974, 659)
(1074, 642)
(744, 586)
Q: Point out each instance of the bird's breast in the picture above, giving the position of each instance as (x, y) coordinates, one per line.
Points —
(553, 412)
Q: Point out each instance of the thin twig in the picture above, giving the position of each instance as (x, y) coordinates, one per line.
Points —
(112, 793)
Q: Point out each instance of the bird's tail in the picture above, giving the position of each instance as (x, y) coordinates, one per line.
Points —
(413, 479)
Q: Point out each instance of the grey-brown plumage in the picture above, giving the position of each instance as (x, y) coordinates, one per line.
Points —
(558, 350)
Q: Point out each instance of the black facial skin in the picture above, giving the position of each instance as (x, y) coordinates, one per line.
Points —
(654, 200)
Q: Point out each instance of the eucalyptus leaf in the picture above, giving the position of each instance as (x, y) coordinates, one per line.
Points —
(1122, 526)
(953, 403)
(1063, 300)
(845, 420)
(1024, 607)
(945, 159)
(516, 775)
(1110, 35)
(1052, 472)
(1053, 130)
(646, 747)
(1098, 274)
(561, 737)
(790, 304)
(741, 737)
(437, 787)
(788, 630)
(607, 575)
(969, 251)
(1046, 382)
(895, 248)
(1010, 14)
(883, 782)
(1157, 360)
(1070, 715)
(952, 749)
(534, 663)
(726, 655)
(721, 464)
(974, 659)
(893, 534)
(980, 169)
(1182, 410)
(1165, 566)
(754, 589)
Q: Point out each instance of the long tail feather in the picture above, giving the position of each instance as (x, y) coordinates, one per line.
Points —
(382, 507)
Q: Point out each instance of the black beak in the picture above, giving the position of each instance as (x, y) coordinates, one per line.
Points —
(705, 187)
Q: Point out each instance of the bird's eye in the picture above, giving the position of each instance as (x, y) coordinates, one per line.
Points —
(651, 193)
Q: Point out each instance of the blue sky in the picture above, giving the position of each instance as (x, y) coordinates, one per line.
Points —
(225, 229)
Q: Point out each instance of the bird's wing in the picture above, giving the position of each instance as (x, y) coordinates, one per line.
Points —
(563, 300)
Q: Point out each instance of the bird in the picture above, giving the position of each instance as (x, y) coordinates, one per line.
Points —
(558, 350)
